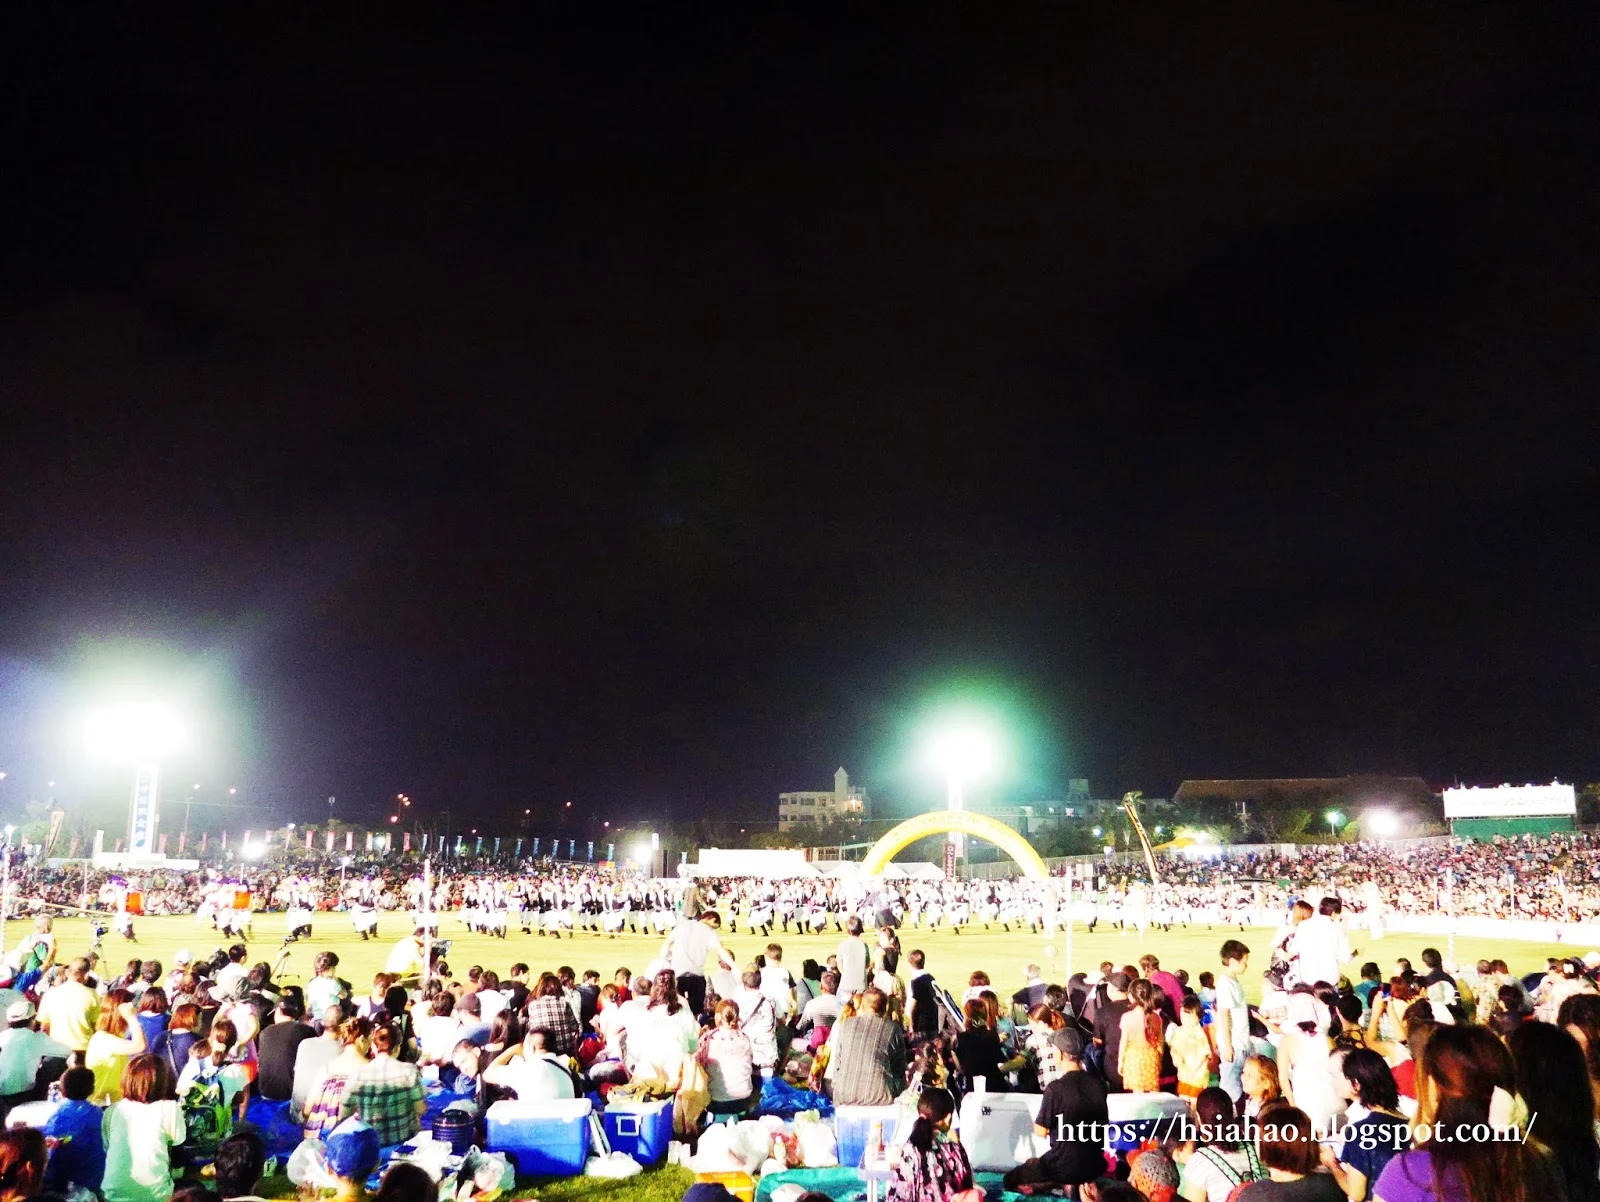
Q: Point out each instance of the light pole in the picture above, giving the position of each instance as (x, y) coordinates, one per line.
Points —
(138, 733)
(1334, 819)
(961, 754)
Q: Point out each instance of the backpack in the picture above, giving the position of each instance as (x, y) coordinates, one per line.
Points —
(207, 1120)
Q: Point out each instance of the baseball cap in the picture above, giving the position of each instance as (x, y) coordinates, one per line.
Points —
(352, 1150)
(19, 1012)
(1119, 980)
(1068, 1041)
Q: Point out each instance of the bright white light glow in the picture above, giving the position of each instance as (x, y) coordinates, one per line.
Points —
(962, 752)
(641, 853)
(133, 731)
(252, 851)
(1383, 823)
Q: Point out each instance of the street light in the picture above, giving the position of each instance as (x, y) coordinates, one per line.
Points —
(961, 752)
(1334, 818)
(1383, 823)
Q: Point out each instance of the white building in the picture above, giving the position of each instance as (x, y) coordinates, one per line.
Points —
(842, 801)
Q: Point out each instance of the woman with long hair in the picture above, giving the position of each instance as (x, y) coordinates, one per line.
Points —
(1465, 1083)
(1553, 1082)
(154, 1018)
(729, 1060)
(665, 1033)
(1143, 1029)
(1304, 1051)
(979, 1051)
(1224, 1156)
(1579, 1016)
(932, 1166)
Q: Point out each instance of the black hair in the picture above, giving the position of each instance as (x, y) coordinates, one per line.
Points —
(77, 1084)
(240, 1160)
(934, 1106)
(1553, 1080)
(1373, 1079)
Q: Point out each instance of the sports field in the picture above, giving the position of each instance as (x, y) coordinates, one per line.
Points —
(950, 956)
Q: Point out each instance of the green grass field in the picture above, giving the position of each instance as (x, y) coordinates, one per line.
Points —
(950, 956)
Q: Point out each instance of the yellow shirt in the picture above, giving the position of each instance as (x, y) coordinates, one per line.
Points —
(108, 1055)
(68, 1014)
(405, 959)
(1191, 1054)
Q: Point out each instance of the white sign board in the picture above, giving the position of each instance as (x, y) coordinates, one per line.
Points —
(777, 862)
(142, 813)
(1511, 801)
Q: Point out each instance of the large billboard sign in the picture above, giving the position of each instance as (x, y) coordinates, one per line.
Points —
(1511, 801)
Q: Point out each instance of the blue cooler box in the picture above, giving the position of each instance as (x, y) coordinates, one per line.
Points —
(543, 1139)
(641, 1129)
(852, 1124)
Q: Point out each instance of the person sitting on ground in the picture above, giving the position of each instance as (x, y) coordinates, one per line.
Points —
(140, 1132)
(728, 1058)
(387, 1093)
(931, 1166)
(980, 1052)
(548, 1010)
(26, 1049)
(1290, 1152)
(79, 1157)
(240, 1161)
(1072, 1117)
(311, 1059)
(1223, 1157)
(867, 1056)
(822, 1010)
(277, 1048)
(325, 1102)
(532, 1071)
(353, 1152)
(1261, 1085)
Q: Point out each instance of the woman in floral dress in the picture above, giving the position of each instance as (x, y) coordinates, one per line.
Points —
(932, 1167)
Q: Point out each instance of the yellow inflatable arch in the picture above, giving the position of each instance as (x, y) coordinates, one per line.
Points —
(939, 822)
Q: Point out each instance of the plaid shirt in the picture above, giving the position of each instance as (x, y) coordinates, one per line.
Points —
(385, 1095)
(552, 1014)
(867, 1063)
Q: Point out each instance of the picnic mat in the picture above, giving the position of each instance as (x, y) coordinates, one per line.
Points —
(847, 1185)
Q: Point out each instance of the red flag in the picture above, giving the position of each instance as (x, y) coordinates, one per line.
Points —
(309, 833)
(349, 840)
(183, 837)
(405, 841)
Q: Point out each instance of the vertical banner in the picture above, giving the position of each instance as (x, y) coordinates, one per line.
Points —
(518, 852)
(591, 851)
(57, 817)
(162, 843)
(405, 841)
(535, 848)
(309, 834)
(424, 842)
(99, 842)
(245, 842)
(572, 848)
(369, 842)
(460, 839)
(142, 812)
(119, 846)
(949, 860)
(327, 841)
(183, 837)
(478, 850)
(205, 837)
(349, 840)
(497, 845)
(611, 852)
(73, 854)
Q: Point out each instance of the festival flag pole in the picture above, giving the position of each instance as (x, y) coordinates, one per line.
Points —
(427, 925)
(1450, 909)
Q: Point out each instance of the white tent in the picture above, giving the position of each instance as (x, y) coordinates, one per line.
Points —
(895, 872)
(838, 869)
(923, 872)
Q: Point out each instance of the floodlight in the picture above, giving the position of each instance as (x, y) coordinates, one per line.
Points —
(132, 732)
(1383, 823)
(962, 752)
(252, 851)
(641, 852)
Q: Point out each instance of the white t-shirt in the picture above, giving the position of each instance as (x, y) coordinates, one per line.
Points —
(538, 1080)
(662, 1039)
(1233, 1010)
(1318, 948)
(853, 960)
(778, 985)
(139, 1137)
(228, 978)
(692, 944)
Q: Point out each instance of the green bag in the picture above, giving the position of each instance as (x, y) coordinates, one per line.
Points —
(207, 1120)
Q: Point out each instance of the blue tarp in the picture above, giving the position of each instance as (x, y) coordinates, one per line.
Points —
(784, 1100)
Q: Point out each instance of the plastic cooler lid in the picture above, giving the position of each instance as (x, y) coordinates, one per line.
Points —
(565, 1108)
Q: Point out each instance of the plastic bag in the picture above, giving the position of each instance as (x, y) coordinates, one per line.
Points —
(308, 1162)
(819, 1147)
(616, 1166)
(750, 1143)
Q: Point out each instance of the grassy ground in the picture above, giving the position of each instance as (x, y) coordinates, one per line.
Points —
(950, 956)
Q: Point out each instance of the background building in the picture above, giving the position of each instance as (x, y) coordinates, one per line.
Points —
(818, 809)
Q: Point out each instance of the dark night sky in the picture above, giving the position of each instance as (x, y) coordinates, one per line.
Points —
(656, 416)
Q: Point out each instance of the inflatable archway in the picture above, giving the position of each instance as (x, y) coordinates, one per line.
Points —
(939, 822)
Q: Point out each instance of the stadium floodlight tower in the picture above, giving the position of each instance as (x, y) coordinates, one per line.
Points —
(963, 753)
(136, 734)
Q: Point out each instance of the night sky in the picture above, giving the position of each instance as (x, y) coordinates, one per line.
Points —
(657, 417)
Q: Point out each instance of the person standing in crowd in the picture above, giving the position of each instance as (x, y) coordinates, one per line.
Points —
(1139, 1049)
(1108, 1028)
(1320, 946)
(1171, 989)
(853, 956)
(1191, 1049)
(691, 944)
(1304, 1058)
(924, 998)
(931, 1166)
(1232, 1025)
(1468, 1078)
(1073, 1105)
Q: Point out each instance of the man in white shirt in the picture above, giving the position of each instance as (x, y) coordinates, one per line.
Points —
(1320, 946)
(234, 973)
(692, 942)
(533, 1073)
(822, 1010)
(25, 1048)
(758, 1021)
(854, 956)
